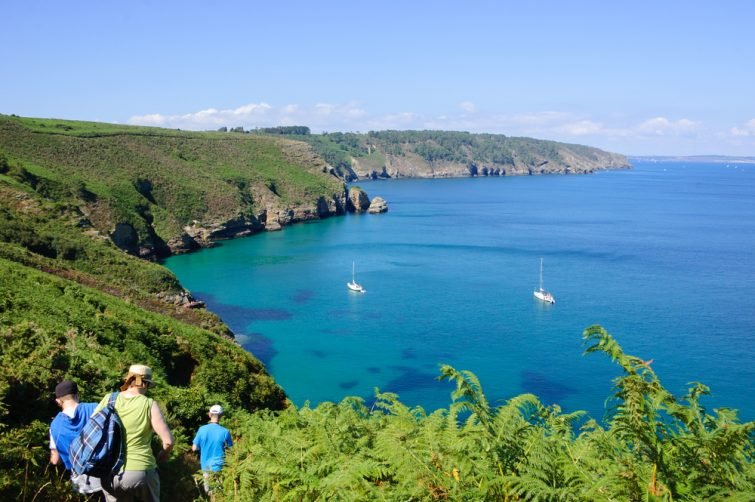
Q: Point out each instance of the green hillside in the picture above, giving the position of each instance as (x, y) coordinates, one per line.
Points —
(432, 154)
(142, 186)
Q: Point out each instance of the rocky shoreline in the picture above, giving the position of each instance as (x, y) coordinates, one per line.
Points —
(200, 235)
(411, 166)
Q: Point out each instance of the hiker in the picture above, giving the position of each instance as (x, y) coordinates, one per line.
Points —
(65, 427)
(140, 417)
(212, 440)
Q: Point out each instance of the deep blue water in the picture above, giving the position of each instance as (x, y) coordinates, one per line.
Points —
(662, 256)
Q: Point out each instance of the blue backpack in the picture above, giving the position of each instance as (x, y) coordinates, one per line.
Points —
(98, 449)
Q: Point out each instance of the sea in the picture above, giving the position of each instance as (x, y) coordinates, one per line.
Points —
(661, 255)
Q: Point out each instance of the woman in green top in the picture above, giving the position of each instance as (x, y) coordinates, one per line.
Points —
(140, 416)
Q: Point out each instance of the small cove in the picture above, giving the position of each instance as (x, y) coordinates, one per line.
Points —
(663, 256)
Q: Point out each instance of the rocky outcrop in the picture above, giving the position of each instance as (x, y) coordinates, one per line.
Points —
(274, 217)
(182, 298)
(183, 244)
(378, 205)
(357, 200)
(200, 234)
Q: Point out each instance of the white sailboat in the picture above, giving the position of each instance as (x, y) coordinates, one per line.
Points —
(354, 285)
(541, 294)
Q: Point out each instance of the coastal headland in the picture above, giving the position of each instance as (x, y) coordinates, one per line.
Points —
(154, 192)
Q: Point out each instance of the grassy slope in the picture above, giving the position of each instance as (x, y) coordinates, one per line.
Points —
(160, 180)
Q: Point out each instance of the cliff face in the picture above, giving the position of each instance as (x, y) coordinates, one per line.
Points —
(442, 154)
(410, 165)
(272, 216)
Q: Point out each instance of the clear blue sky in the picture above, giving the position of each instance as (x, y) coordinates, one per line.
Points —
(641, 77)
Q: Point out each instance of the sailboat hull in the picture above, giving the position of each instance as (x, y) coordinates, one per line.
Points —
(353, 286)
(544, 296)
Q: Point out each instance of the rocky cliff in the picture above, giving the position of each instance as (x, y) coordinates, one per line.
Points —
(411, 165)
(442, 154)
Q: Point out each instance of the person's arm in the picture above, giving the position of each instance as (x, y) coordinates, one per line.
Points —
(54, 455)
(160, 426)
(197, 441)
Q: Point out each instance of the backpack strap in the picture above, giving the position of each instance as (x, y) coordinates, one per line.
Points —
(111, 400)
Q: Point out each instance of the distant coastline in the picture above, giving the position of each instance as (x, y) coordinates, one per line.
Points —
(710, 159)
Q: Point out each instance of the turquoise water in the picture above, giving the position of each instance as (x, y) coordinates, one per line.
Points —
(663, 256)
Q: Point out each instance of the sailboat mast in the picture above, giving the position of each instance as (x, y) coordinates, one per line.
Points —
(541, 274)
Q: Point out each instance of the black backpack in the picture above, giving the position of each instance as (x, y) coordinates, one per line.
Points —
(98, 449)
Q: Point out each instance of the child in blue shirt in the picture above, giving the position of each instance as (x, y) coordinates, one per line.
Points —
(212, 440)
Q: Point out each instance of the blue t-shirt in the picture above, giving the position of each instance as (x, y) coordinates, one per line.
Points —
(64, 429)
(212, 440)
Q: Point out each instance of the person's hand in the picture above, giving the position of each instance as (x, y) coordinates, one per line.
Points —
(165, 453)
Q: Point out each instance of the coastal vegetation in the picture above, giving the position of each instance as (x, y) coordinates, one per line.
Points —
(53, 328)
(390, 154)
(652, 446)
(86, 207)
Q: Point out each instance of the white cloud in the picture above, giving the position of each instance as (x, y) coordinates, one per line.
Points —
(747, 131)
(319, 116)
(468, 106)
(661, 126)
(210, 117)
(152, 119)
(251, 109)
